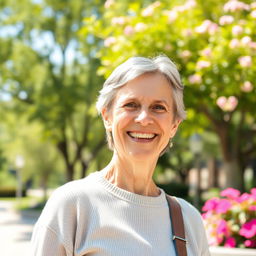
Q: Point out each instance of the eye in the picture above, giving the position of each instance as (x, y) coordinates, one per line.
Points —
(131, 105)
(159, 107)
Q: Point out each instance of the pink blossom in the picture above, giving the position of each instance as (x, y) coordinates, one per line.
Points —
(223, 228)
(211, 204)
(118, 20)
(248, 229)
(245, 61)
(253, 5)
(207, 26)
(234, 43)
(148, 11)
(185, 54)
(230, 193)
(237, 30)
(253, 191)
(227, 104)
(253, 14)
(244, 197)
(250, 243)
(223, 206)
(226, 19)
(252, 207)
(235, 5)
(246, 86)
(109, 41)
(128, 30)
(246, 40)
(203, 64)
(168, 47)
(206, 52)
(139, 27)
(230, 242)
(195, 79)
(252, 45)
(187, 32)
(108, 3)
(172, 15)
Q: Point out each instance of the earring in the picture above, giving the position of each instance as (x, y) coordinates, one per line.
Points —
(170, 144)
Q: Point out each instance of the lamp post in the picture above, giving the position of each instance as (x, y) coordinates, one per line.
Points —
(196, 146)
(19, 162)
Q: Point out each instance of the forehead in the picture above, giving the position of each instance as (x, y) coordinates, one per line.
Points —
(150, 86)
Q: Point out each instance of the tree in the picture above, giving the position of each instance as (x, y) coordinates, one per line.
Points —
(50, 72)
(214, 45)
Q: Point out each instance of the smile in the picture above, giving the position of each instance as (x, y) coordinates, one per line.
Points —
(143, 136)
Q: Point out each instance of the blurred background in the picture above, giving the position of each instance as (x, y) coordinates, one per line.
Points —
(54, 58)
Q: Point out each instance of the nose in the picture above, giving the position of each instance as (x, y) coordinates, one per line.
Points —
(144, 118)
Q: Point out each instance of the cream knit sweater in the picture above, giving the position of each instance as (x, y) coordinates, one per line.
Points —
(94, 217)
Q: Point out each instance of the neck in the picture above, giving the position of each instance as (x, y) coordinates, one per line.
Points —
(131, 176)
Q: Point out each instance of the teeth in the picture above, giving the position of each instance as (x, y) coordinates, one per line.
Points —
(142, 135)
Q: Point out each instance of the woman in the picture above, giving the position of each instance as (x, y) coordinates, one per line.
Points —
(119, 211)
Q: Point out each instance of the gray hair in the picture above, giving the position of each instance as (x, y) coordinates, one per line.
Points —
(133, 68)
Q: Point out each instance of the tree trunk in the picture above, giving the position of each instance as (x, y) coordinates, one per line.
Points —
(213, 172)
(233, 175)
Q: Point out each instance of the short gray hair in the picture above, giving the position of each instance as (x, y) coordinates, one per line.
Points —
(135, 67)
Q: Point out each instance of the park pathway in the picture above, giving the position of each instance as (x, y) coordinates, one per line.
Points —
(15, 230)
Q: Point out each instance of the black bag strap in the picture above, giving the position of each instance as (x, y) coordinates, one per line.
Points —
(178, 229)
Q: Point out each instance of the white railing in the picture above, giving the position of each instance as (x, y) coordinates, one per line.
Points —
(221, 251)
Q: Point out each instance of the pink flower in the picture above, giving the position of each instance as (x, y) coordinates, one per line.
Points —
(108, 3)
(247, 86)
(223, 206)
(148, 11)
(252, 207)
(226, 19)
(253, 14)
(128, 30)
(235, 5)
(248, 229)
(227, 104)
(234, 43)
(250, 243)
(237, 30)
(109, 41)
(252, 45)
(245, 61)
(195, 79)
(230, 242)
(206, 52)
(118, 21)
(172, 15)
(203, 64)
(185, 54)
(230, 193)
(223, 228)
(211, 204)
(246, 40)
(244, 197)
(253, 191)
(207, 26)
(139, 27)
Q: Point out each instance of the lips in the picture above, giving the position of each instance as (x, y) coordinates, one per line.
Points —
(142, 136)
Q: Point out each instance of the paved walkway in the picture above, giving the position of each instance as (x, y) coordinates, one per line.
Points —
(15, 230)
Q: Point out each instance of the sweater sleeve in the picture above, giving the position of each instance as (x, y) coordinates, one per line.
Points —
(46, 242)
(55, 230)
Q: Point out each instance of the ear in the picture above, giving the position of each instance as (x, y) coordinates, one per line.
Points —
(106, 119)
(174, 127)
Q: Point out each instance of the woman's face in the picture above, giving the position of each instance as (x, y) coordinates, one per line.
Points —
(141, 117)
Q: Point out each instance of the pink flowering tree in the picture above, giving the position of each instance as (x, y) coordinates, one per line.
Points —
(230, 220)
(214, 45)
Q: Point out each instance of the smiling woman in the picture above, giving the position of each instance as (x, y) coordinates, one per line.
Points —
(120, 210)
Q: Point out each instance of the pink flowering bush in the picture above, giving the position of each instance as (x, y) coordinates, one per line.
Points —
(230, 220)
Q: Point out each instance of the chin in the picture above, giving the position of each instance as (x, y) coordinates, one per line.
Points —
(144, 155)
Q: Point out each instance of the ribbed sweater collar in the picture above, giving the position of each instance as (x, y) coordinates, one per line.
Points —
(125, 195)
